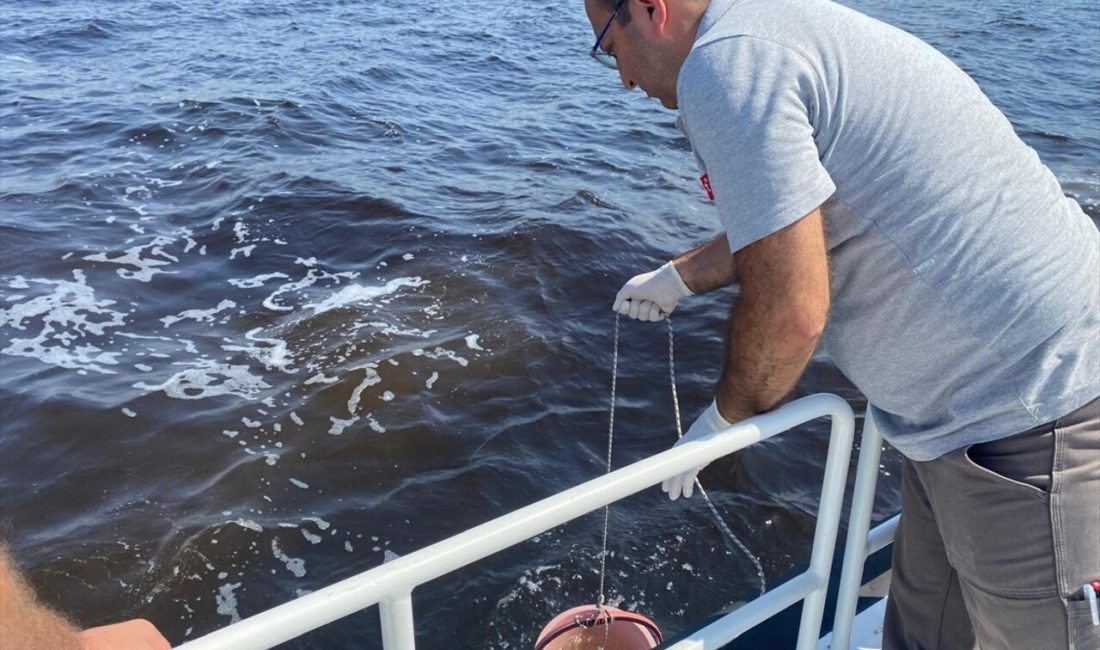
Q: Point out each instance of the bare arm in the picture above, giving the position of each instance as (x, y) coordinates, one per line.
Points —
(28, 625)
(708, 267)
(779, 319)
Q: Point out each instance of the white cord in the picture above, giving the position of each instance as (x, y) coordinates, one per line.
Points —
(679, 434)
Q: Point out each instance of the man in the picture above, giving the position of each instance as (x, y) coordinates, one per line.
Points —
(26, 624)
(875, 202)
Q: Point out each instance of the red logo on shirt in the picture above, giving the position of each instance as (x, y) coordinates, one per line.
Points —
(705, 180)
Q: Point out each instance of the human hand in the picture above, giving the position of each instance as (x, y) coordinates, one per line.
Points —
(652, 296)
(137, 634)
(707, 423)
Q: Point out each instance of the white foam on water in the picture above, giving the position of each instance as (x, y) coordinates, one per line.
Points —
(18, 282)
(128, 413)
(321, 378)
(146, 267)
(471, 342)
(144, 368)
(388, 396)
(321, 523)
(296, 419)
(275, 355)
(310, 537)
(295, 565)
(188, 345)
(206, 378)
(393, 330)
(431, 380)
(200, 315)
(357, 293)
(257, 281)
(348, 547)
(251, 424)
(338, 425)
(230, 434)
(246, 251)
(440, 353)
(310, 279)
(71, 312)
(389, 556)
(369, 380)
(226, 601)
(249, 524)
(299, 484)
(189, 242)
(240, 231)
(374, 424)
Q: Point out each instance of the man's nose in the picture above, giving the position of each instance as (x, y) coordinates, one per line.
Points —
(627, 82)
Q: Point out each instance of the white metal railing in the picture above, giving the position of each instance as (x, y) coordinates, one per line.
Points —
(390, 586)
(860, 544)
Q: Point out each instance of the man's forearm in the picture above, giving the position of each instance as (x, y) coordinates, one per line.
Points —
(781, 313)
(708, 267)
(26, 624)
(762, 366)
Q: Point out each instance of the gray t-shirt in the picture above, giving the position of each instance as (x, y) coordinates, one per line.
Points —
(965, 285)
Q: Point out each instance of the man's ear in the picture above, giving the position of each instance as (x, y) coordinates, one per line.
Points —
(656, 14)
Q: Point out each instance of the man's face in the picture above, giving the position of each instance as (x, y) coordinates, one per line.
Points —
(648, 51)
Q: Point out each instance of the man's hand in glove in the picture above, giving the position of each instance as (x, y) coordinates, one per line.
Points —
(652, 296)
(708, 423)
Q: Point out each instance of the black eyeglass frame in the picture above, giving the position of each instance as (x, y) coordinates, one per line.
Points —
(607, 58)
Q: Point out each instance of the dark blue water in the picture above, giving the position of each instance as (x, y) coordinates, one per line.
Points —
(290, 287)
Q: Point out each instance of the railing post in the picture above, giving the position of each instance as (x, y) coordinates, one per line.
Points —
(841, 436)
(859, 521)
(398, 628)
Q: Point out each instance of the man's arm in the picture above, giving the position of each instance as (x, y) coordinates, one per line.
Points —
(28, 625)
(23, 622)
(780, 316)
(708, 267)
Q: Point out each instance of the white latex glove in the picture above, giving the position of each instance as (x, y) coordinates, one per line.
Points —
(707, 423)
(652, 296)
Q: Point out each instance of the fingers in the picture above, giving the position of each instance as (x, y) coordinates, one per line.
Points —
(620, 298)
(671, 486)
(638, 309)
(681, 485)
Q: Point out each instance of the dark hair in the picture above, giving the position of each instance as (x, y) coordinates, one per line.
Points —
(624, 12)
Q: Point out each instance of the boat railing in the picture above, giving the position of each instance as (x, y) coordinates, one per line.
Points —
(860, 543)
(390, 585)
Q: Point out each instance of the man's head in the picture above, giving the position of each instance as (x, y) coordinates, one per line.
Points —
(650, 40)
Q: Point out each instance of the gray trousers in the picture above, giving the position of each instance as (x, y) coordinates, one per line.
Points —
(996, 541)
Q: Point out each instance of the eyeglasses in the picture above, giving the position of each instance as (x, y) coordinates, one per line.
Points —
(607, 58)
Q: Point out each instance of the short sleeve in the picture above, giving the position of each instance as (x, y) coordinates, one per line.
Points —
(746, 106)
